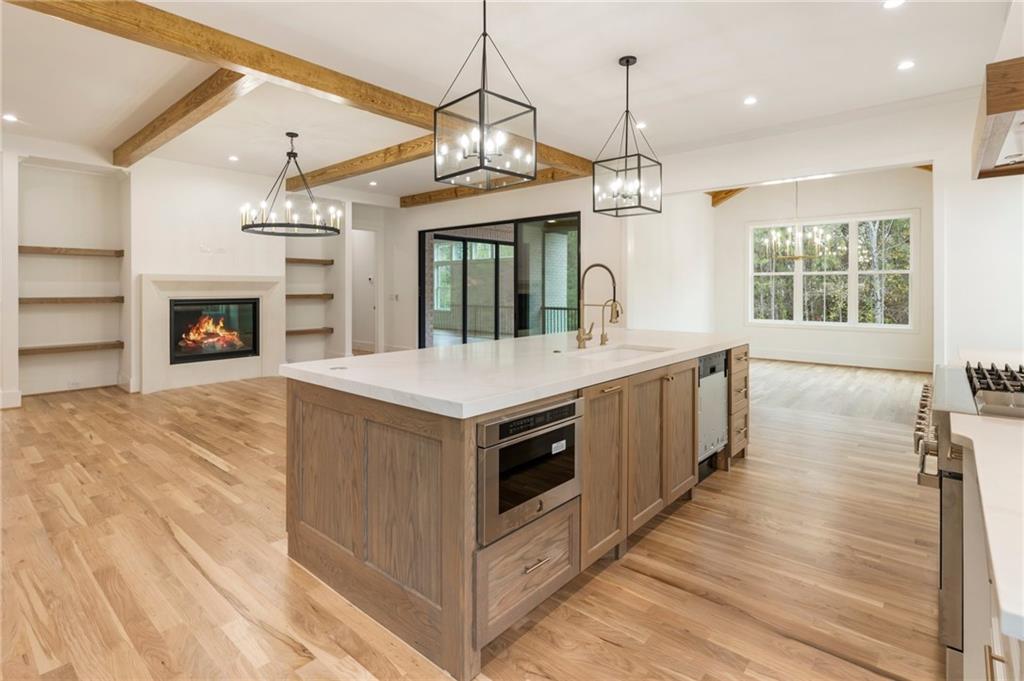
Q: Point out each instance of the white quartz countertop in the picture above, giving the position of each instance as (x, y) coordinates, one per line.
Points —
(463, 381)
(998, 446)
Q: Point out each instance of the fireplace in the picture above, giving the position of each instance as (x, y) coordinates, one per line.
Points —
(208, 329)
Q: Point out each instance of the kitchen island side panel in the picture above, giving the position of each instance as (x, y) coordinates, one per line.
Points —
(381, 507)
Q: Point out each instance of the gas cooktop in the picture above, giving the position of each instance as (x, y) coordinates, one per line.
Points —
(998, 392)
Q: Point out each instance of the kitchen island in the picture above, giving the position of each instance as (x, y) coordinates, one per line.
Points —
(391, 503)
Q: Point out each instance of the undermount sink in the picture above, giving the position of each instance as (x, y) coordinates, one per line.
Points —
(618, 353)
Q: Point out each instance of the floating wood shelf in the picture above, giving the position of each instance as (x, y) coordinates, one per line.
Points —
(73, 347)
(326, 262)
(309, 296)
(71, 300)
(321, 331)
(61, 250)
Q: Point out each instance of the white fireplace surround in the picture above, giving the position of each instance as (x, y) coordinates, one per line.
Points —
(157, 290)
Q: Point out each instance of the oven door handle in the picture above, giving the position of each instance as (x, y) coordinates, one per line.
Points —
(923, 452)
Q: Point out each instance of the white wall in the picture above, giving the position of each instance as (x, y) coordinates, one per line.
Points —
(976, 306)
(902, 189)
(670, 265)
(601, 240)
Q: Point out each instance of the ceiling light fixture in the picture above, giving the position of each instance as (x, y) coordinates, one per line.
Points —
(905, 65)
(264, 220)
(485, 131)
(10, 118)
(233, 158)
(629, 183)
(750, 100)
(641, 126)
(892, 4)
(373, 183)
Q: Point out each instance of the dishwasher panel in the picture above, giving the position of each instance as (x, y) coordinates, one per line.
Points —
(713, 399)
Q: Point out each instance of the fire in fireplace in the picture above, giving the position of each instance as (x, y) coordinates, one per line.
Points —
(205, 329)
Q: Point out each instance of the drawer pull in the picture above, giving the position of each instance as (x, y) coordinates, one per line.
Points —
(540, 562)
(614, 388)
(990, 663)
(742, 391)
(670, 378)
(742, 432)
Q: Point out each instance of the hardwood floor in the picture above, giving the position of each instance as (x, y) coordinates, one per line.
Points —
(143, 538)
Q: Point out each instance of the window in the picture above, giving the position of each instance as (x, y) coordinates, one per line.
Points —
(773, 272)
(883, 264)
(853, 271)
(445, 253)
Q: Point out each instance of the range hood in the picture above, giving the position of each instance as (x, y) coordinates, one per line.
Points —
(999, 133)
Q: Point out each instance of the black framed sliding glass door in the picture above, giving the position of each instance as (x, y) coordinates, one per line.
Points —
(500, 280)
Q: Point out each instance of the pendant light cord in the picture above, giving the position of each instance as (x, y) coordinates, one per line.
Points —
(485, 37)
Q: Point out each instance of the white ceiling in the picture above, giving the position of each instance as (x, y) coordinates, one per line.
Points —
(803, 61)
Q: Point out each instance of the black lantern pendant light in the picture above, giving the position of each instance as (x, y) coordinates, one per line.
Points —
(628, 183)
(263, 219)
(484, 139)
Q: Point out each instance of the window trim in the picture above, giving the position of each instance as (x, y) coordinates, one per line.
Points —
(853, 310)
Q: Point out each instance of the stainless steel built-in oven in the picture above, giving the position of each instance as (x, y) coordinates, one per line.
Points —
(527, 464)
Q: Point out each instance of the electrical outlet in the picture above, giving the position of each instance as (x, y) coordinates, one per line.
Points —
(74, 385)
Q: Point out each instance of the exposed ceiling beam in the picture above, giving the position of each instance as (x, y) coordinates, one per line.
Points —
(154, 27)
(209, 97)
(421, 147)
(720, 196)
(544, 176)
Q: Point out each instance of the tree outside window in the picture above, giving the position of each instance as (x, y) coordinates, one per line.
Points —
(819, 271)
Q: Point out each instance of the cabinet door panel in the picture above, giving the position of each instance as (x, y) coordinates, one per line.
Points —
(604, 470)
(679, 472)
(645, 447)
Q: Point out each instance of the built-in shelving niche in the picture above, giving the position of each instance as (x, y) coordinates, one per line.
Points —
(72, 228)
(313, 273)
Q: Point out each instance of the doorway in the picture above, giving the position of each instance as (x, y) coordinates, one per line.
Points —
(364, 292)
(499, 280)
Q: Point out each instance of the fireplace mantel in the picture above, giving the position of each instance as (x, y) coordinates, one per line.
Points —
(151, 353)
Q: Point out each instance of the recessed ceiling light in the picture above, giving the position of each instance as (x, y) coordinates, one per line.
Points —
(10, 118)
(551, 222)
(232, 158)
(641, 125)
(373, 183)
(750, 100)
(892, 4)
(905, 65)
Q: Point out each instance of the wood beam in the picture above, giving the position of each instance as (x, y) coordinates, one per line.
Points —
(209, 97)
(544, 176)
(720, 196)
(154, 27)
(421, 147)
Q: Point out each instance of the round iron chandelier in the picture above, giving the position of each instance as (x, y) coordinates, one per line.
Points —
(628, 183)
(485, 139)
(263, 219)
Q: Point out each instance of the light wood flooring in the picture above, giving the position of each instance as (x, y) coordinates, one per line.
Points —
(143, 538)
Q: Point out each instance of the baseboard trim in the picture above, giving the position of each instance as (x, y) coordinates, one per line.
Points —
(365, 346)
(839, 359)
(10, 399)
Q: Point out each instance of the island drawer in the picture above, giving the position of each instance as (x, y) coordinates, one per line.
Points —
(516, 573)
(739, 391)
(738, 425)
(739, 358)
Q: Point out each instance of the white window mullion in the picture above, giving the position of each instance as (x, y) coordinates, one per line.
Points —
(852, 296)
(798, 275)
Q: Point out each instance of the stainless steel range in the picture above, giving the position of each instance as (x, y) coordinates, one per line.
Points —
(962, 390)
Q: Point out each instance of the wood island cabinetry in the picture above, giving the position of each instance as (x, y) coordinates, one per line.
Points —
(382, 503)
